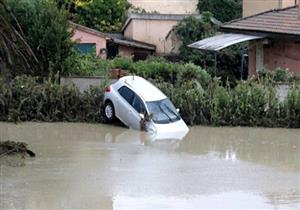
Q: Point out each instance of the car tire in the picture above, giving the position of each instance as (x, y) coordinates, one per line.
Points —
(109, 112)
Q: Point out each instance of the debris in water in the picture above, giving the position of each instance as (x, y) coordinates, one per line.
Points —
(12, 147)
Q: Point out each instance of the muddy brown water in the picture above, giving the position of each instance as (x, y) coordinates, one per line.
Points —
(93, 166)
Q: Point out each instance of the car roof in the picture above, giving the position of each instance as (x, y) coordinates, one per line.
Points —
(143, 88)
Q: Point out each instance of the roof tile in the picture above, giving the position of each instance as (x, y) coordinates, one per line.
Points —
(282, 21)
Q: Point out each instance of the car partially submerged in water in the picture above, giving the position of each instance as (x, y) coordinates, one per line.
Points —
(142, 106)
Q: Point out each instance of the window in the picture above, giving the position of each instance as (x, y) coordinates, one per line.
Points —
(163, 111)
(126, 93)
(85, 47)
(134, 100)
(138, 105)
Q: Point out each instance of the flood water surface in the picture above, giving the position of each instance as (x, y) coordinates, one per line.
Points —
(93, 166)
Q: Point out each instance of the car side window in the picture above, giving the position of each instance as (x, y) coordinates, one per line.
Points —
(138, 104)
(126, 93)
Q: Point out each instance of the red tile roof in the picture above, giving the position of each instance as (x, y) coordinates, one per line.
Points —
(280, 22)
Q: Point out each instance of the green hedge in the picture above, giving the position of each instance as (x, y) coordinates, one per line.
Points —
(248, 104)
(25, 99)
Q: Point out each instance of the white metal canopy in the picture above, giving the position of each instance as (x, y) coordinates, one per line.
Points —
(222, 41)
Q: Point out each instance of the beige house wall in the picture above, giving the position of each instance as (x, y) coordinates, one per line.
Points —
(287, 3)
(167, 6)
(154, 32)
(251, 7)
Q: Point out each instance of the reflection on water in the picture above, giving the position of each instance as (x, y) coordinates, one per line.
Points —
(84, 166)
(271, 147)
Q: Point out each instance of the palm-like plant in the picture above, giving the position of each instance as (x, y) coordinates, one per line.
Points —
(13, 47)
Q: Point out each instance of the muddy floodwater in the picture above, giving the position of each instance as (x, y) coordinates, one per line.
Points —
(94, 166)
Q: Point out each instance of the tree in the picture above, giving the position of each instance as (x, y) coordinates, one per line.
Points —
(13, 47)
(223, 10)
(104, 15)
(192, 29)
(46, 30)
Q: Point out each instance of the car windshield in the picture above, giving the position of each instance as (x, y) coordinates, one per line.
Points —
(163, 111)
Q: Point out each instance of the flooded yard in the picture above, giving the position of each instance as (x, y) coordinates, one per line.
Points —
(94, 166)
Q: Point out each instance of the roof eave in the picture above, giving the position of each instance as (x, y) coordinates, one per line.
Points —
(88, 30)
(135, 44)
(267, 34)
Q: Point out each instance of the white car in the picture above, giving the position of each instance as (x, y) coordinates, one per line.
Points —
(137, 103)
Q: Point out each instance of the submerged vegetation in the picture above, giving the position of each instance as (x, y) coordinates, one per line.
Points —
(12, 147)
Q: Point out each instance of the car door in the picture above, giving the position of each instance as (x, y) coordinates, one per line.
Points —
(138, 108)
(124, 104)
(129, 107)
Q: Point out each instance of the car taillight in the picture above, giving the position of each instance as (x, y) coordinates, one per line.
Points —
(107, 89)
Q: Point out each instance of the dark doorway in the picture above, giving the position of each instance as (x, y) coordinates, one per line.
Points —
(112, 49)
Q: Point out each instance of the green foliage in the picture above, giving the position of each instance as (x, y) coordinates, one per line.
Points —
(291, 107)
(103, 15)
(156, 68)
(24, 99)
(191, 72)
(192, 29)
(14, 50)
(223, 10)
(85, 65)
(250, 103)
(125, 63)
(276, 76)
(46, 30)
(220, 106)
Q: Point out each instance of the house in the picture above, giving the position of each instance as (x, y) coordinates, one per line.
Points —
(142, 34)
(252, 7)
(108, 45)
(277, 42)
(273, 36)
(167, 6)
(154, 29)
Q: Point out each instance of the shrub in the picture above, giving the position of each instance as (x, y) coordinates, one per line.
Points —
(190, 71)
(156, 69)
(125, 63)
(248, 104)
(221, 106)
(24, 99)
(276, 76)
(85, 65)
(291, 107)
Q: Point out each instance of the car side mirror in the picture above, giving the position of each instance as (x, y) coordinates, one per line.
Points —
(142, 116)
(178, 110)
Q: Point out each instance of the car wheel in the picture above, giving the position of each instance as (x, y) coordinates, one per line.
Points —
(109, 112)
